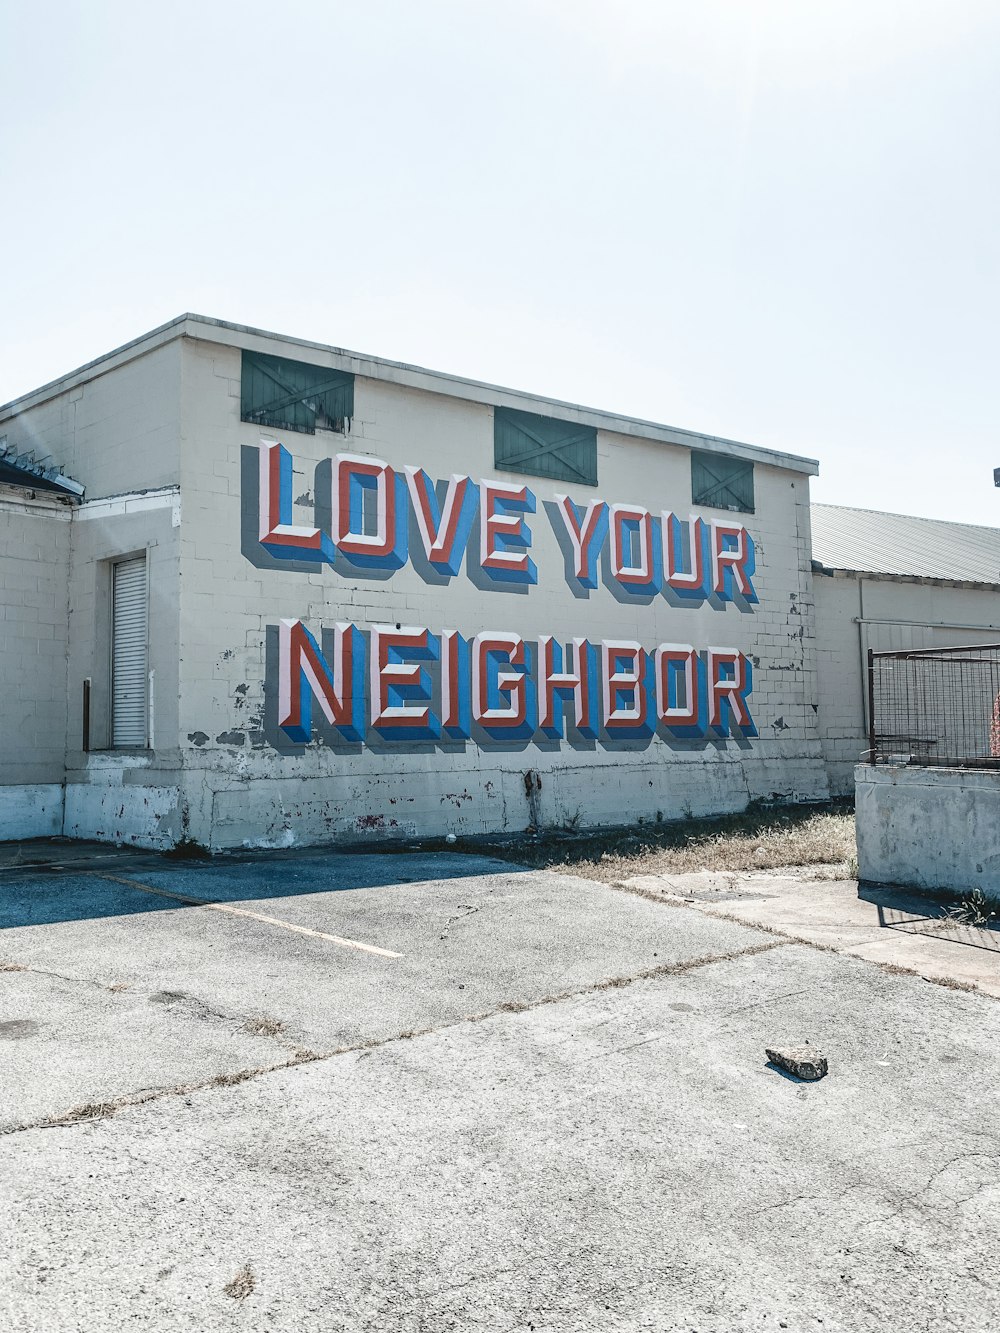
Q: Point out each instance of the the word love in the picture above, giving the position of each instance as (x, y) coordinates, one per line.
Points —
(375, 510)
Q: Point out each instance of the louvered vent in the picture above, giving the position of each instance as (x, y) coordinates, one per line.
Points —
(293, 395)
(544, 446)
(720, 481)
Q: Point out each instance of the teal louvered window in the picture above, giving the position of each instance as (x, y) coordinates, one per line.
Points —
(293, 395)
(544, 447)
(720, 481)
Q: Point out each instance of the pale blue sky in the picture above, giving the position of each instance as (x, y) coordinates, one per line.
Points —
(769, 220)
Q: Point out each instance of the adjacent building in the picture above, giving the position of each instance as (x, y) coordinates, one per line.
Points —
(260, 591)
(890, 582)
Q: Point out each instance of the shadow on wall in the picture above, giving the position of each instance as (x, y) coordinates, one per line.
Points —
(44, 895)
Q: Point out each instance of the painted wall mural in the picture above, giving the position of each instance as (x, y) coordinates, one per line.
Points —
(390, 685)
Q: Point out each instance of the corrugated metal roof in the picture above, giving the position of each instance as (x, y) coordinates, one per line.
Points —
(868, 542)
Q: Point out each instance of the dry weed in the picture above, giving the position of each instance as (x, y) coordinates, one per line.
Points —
(825, 839)
(264, 1027)
(241, 1286)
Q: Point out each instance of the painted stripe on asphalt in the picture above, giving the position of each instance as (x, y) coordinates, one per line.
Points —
(242, 911)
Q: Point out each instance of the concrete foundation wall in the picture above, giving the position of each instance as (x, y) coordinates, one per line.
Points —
(931, 828)
(114, 805)
(243, 783)
(854, 614)
(31, 810)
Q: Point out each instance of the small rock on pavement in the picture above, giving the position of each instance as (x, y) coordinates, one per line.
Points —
(804, 1062)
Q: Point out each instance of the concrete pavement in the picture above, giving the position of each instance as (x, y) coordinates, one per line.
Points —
(583, 1134)
(887, 926)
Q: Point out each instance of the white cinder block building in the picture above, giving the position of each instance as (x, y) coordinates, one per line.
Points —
(890, 582)
(279, 593)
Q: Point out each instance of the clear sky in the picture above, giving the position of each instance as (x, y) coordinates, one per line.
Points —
(773, 220)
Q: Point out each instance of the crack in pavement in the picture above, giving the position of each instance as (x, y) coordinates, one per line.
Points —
(838, 1195)
(891, 969)
(254, 1025)
(916, 1199)
(468, 909)
(92, 1111)
(60, 976)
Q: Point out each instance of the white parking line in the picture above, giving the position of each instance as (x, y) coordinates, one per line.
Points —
(242, 911)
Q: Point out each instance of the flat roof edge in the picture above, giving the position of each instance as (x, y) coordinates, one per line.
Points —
(207, 329)
(101, 365)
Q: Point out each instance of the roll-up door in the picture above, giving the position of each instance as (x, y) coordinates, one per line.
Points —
(128, 653)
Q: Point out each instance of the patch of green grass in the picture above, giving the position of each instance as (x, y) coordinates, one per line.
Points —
(975, 909)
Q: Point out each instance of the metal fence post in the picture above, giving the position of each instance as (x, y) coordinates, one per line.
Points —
(871, 706)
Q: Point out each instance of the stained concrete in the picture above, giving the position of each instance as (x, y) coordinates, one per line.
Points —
(485, 935)
(887, 926)
(931, 828)
(618, 1158)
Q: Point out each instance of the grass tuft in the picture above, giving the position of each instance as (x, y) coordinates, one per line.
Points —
(87, 1111)
(975, 909)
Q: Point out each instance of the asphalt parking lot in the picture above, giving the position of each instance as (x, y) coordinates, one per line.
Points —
(438, 1091)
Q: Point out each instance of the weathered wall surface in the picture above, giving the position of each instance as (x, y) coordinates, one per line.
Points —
(246, 781)
(932, 828)
(129, 796)
(855, 614)
(34, 568)
(118, 435)
(115, 433)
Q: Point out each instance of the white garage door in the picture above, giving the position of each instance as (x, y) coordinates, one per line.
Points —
(128, 654)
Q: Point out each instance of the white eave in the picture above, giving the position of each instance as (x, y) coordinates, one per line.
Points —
(205, 329)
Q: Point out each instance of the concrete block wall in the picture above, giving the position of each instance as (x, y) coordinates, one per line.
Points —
(125, 796)
(219, 770)
(117, 433)
(34, 568)
(854, 614)
(240, 787)
(929, 828)
(114, 433)
(839, 676)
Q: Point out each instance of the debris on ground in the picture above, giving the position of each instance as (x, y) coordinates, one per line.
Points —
(803, 1062)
